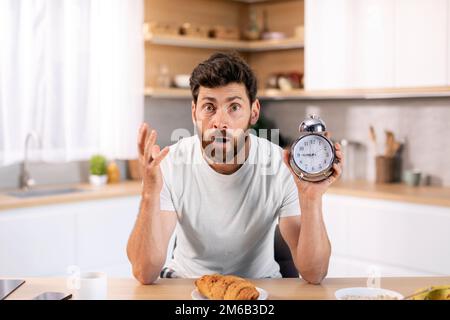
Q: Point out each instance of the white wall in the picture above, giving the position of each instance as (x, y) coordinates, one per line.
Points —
(421, 123)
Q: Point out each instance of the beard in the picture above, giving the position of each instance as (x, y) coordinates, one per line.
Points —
(225, 146)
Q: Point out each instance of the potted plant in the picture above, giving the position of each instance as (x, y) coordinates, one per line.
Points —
(98, 170)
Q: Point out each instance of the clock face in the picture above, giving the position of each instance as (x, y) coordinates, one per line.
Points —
(313, 153)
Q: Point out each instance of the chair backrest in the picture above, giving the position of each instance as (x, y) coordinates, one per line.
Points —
(283, 256)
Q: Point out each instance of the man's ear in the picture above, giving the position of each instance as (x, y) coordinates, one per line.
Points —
(256, 108)
(193, 108)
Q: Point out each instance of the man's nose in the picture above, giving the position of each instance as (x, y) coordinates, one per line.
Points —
(220, 120)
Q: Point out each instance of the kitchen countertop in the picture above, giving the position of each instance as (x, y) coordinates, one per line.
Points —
(122, 189)
(427, 195)
(179, 289)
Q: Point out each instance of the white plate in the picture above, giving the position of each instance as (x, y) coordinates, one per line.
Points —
(196, 295)
(366, 292)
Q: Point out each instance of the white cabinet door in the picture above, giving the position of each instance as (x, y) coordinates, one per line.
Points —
(328, 27)
(400, 234)
(45, 240)
(396, 238)
(421, 42)
(102, 231)
(349, 44)
(373, 44)
(376, 43)
(36, 241)
(448, 42)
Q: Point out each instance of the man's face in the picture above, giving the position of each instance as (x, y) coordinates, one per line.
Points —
(222, 117)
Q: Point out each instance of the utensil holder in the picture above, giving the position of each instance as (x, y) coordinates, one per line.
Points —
(385, 169)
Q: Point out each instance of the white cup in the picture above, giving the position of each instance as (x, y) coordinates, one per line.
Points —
(92, 286)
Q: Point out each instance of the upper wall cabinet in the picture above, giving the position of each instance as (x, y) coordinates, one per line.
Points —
(421, 40)
(327, 32)
(376, 43)
(373, 44)
(448, 42)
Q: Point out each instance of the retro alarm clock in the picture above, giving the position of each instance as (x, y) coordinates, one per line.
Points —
(312, 154)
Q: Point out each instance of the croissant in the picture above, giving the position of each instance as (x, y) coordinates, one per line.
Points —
(220, 287)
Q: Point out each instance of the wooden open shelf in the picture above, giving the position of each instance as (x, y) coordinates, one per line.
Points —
(179, 54)
(272, 94)
(238, 45)
(172, 93)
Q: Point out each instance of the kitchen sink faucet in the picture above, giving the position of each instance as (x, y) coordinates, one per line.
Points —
(25, 178)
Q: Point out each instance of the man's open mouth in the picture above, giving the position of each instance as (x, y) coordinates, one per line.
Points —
(220, 139)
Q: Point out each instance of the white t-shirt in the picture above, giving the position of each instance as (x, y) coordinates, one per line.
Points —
(226, 223)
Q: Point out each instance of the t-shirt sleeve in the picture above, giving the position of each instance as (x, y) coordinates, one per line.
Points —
(290, 205)
(165, 199)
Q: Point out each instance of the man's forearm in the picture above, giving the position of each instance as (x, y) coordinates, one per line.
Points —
(313, 249)
(146, 249)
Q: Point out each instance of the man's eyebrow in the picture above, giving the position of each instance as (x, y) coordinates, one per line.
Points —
(227, 99)
(210, 99)
(233, 98)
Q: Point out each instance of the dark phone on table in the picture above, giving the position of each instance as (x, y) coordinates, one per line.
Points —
(8, 286)
(53, 296)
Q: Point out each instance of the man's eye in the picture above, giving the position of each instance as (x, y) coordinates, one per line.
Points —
(209, 108)
(235, 107)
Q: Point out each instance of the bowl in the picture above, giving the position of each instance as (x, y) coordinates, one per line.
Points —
(181, 80)
(366, 293)
(273, 36)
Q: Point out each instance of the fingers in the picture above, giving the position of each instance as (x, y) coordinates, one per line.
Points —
(339, 153)
(286, 158)
(337, 146)
(155, 151)
(141, 138)
(143, 135)
(151, 139)
(337, 170)
(160, 156)
(328, 134)
(331, 179)
(153, 155)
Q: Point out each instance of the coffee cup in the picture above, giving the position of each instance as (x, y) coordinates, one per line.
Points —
(91, 286)
(412, 177)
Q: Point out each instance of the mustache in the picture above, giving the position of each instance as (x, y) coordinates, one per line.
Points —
(221, 134)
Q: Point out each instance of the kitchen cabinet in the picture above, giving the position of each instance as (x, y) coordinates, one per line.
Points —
(376, 44)
(36, 242)
(349, 44)
(421, 42)
(327, 44)
(45, 240)
(102, 231)
(448, 42)
(395, 238)
(372, 63)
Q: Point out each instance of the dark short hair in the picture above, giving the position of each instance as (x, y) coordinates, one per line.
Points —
(221, 69)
